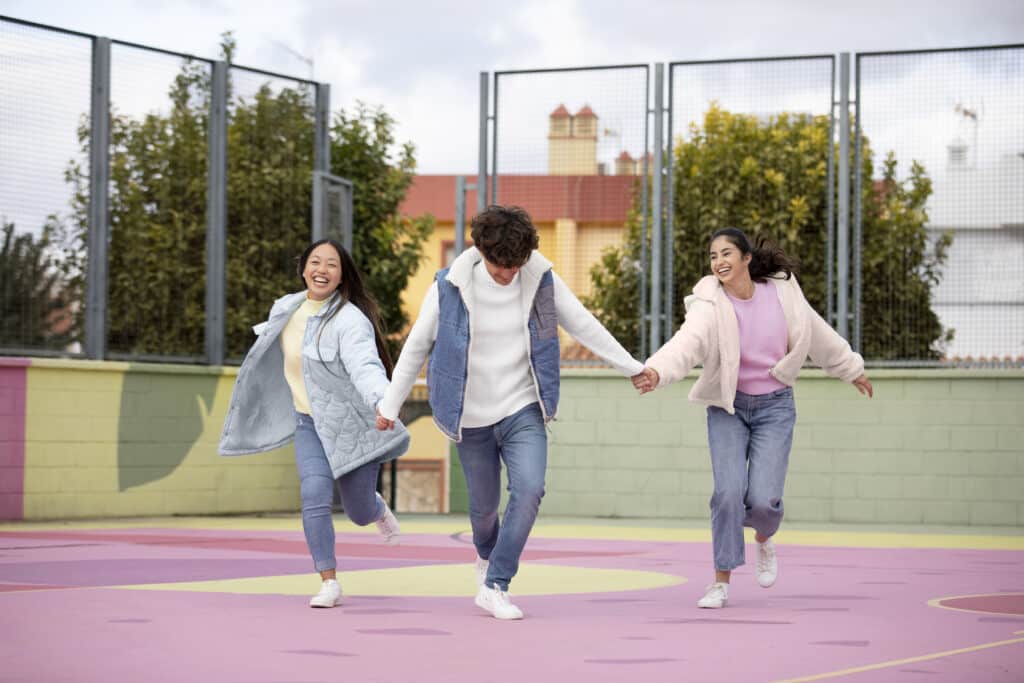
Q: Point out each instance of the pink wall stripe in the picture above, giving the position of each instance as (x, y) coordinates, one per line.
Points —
(13, 376)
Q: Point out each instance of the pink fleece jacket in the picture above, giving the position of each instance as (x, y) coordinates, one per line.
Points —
(710, 335)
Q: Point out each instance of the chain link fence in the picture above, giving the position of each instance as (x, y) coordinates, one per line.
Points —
(936, 209)
(942, 158)
(44, 105)
(156, 281)
(571, 146)
(155, 247)
(271, 126)
(751, 148)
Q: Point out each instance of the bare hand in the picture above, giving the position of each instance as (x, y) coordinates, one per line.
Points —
(864, 386)
(384, 424)
(646, 381)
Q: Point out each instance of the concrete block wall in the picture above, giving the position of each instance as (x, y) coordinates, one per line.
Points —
(104, 439)
(937, 447)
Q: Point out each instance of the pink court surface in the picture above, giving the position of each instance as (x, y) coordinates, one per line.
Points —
(225, 599)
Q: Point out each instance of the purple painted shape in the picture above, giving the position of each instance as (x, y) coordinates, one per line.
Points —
(143, 570)
(843, 643)
(321, 653)
(13, 380)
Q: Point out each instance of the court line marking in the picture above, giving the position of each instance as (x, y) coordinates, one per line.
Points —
(937, 602)
(908, 660)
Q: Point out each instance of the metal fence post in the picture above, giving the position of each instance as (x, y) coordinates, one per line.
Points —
(322, 139)
(481, 173)
(216, 213)
(656, 207)
(669, 220)
(321, 160)
(830, 204)
(460, 214)
(843, 228)
(858, 238)
(494, 148)
(99, 210)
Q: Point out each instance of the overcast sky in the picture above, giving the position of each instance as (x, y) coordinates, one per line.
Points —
(421, 60)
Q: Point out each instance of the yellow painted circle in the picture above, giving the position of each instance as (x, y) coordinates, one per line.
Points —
(438, 580)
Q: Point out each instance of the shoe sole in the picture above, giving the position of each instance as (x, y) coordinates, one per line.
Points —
(336, 603)
(724, 603)
(488, 610)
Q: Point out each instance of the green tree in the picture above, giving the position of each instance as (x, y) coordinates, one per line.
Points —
(158, 201)
(770, 177)
(35, 309)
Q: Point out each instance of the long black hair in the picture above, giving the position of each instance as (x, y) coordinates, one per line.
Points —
(766, 258)
(350, 289)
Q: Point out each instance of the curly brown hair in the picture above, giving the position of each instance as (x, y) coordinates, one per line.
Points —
(505, 235)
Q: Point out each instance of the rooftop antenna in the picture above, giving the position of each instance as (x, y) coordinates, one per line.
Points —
(970, 116)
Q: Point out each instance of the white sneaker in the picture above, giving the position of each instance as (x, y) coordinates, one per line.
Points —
(717, 596)
(496, 601)
(481, 571)
(388, 525)
(767, 564)
(329, 595)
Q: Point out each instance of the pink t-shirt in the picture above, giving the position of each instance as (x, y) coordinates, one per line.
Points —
(763, 338)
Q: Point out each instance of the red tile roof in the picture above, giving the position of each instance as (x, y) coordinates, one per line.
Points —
(560, 113)
(586, 112)
(584, 198)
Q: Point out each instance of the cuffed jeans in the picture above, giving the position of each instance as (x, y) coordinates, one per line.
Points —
(358, 490)
(749, 458)
(521, 442)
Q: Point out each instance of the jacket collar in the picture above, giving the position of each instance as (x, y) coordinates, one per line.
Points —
(709, 288)
(291, 302)
(460, 274)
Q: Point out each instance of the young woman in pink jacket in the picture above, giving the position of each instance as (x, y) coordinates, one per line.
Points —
(752, 329)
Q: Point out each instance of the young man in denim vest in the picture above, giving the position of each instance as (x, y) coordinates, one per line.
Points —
(490, 326)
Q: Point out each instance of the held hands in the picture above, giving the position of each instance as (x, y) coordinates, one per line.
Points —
(864, 386)
(646, 381)
(384, 424)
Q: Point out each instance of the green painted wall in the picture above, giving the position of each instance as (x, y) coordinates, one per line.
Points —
(932, 447)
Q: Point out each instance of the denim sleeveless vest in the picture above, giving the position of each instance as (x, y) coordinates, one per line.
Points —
(449, 360)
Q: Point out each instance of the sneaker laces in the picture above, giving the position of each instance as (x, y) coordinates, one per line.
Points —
(717, 589)
(765, 556)
(501, 596)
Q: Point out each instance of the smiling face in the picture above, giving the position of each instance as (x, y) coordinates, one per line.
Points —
(503, 276)
(322, 272)
(729, 264)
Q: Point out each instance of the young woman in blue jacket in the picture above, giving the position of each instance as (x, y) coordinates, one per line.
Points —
(315, 375)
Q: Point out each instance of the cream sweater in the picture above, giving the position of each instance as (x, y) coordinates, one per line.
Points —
(710, 335)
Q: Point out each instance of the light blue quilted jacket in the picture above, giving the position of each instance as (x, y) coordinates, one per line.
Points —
(344, 378)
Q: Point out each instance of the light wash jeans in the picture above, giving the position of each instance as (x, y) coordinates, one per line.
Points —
(358, 491)
(519, 440)
(749, 458)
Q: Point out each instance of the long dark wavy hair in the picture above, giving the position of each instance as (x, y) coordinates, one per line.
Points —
(766, 258)
(350, 289)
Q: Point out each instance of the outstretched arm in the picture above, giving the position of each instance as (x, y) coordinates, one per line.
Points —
(687, 347)
(587, 330)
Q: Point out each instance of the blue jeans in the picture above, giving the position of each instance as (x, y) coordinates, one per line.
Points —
(519, 440)
(749, 458)
(358, 491)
